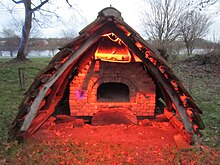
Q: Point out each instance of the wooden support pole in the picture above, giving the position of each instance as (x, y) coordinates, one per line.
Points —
(21, 78)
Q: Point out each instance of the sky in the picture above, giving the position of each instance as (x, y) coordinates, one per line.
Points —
(84, 12)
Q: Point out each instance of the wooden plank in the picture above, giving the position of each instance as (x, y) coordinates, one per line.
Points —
(53, 100)
(157, 56)
(35, 105)
(42, 117)
(177, 124)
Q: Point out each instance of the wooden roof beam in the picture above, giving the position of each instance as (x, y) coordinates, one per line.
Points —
(36, 103)
(162, 80)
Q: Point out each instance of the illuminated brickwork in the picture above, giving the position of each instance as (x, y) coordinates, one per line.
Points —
(91, 74)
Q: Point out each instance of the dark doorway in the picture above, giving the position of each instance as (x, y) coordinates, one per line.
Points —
(113, 92)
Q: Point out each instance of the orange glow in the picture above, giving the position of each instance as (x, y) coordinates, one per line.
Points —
(166, 75)
(40, 87)
(138, 45)
(128, 33)
(97, 66)
(64, 60)
(183, 99)
(161, 68)
(189, 113)
(112, 49)
(136, 58)
(152, 60)
(174, 84)
(174, 107)
(43, 102)
(195, 127)
(124, 29)
(112, 58)
(113, 38)
(48, 92)
(147, 54)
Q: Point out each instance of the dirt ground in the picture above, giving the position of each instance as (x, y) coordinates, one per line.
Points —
(134, 143)
(148, 144)
(160, 133)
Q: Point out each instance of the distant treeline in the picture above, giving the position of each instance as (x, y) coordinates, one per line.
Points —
(51, 44)
(11, 44)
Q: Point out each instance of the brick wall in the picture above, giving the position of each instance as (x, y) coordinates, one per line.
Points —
(83, 88)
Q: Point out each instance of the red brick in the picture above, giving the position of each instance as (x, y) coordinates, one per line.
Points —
(113, 72)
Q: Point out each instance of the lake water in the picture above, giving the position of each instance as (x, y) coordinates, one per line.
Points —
(32, 53)
(49, 53)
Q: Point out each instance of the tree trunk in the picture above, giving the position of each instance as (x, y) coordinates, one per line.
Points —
(23, 45)
(11, 54)
(188, 49)
(191, 50)
(188, 52)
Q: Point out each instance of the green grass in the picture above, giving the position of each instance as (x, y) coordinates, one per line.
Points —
(72, 152)
(10, 93)
(202, 82)
(204, 87)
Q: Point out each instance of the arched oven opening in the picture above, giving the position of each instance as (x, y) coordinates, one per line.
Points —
(113, 92)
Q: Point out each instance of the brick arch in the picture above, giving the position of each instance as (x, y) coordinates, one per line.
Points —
(92, 89)
(140, 84)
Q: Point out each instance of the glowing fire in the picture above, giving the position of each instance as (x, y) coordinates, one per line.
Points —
(111, 48)
(113, 38)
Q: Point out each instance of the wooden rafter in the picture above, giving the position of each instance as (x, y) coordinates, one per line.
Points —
(36, 103)
(161, 79)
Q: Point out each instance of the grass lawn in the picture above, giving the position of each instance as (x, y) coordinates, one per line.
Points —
(11, 94)
(201, 80)
(201, 77)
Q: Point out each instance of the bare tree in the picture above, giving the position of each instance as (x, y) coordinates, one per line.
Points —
(11, 40)
(69, 32)
(203, 4)
(30, 9)
(12, 33)
(160, 23)
(193, 25)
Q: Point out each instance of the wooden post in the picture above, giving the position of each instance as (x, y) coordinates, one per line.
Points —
(21, 78)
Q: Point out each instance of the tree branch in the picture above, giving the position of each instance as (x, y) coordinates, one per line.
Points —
(39, 6)
(67, 1)
(17, 2)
